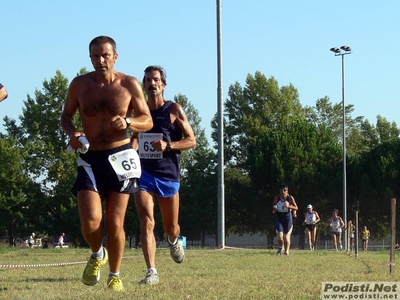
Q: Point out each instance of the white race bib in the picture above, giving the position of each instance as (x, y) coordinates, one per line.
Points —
(126, 164)
(146, 148)
(282, 207)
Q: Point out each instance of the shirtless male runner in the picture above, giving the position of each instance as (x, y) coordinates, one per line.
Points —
(109, 170)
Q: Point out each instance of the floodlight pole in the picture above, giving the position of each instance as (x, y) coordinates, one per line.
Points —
(344, 50)
(221, 188)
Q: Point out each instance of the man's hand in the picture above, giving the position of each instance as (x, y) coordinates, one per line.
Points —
(119, 123)
(73, 140)
(159, 145)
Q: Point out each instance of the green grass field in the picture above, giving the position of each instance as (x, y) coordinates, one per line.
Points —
(205, 274)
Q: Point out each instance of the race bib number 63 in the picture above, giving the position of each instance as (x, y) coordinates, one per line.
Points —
(146, 149)
(126, 164)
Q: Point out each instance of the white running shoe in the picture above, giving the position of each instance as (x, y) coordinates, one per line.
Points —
(150, 278)
(176, 250)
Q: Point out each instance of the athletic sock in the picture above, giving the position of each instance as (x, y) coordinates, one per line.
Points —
(98, 255)
(172, 243)
(113, 274)
(154, 271)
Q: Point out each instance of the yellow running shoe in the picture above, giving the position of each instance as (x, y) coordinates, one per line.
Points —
(115, 283)
(91, 274)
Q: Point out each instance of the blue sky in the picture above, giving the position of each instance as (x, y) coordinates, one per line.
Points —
(289, 40)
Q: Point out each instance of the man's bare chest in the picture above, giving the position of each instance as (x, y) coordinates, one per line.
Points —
(104, 101)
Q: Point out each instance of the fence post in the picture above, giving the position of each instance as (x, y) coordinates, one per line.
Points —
(356, 236)
(392, 235)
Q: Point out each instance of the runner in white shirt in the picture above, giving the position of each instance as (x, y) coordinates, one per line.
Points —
(310, 221)
(336, 224)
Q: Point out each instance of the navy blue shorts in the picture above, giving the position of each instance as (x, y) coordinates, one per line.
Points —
(95, 173)
(284, 224)
(162, 187)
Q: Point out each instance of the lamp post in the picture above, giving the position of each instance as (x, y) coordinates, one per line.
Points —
(344, 50)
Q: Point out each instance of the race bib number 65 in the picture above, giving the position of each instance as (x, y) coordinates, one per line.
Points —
(126, 164)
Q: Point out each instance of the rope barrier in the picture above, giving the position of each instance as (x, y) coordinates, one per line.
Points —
(41, 265)
(49, 265)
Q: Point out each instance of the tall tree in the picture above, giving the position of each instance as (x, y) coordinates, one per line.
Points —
(14, 183)
(361, 136)
(44, 141)
(331, 115)
(305, 156)
(374, 178)
(198, 182)
(250, 110)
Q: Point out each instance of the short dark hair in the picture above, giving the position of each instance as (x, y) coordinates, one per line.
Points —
(283, 186)
(103, 39)
(156, 68)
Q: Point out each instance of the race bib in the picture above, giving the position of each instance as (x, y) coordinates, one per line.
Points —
(282, 207)
(126, 164)
(146, 149)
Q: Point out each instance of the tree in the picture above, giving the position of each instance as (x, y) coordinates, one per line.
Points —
(331, 115)
(249, 111)
(44, 141)
(303, 155)
(14, 183)
(198, 181)
(361, 136)
(374, 178)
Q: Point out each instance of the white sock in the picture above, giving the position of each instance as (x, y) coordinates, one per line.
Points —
(98, 255)
(113, 274)
(154, 270)
(172, 243)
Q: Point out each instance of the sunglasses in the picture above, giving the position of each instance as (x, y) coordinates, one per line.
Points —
(283, 190)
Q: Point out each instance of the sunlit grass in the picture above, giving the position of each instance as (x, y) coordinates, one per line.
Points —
(205, 274)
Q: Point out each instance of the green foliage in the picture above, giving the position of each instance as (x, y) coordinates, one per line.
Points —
(374, 180)
(14, 182)
(52, 208)
(304, 156)
(198, 180)
(261, 104)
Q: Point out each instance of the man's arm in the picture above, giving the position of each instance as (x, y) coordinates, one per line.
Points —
(3, 93)
(67, 115)
(141, 121)
(180, 118)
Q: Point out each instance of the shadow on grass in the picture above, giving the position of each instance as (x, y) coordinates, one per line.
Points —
(38, 280)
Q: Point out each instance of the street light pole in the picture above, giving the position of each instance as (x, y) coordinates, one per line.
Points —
(344, 50)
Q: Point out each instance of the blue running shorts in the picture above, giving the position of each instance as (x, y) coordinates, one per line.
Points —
(164, 188)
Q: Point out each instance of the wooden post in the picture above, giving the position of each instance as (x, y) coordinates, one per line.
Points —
(356, 236)
(348, 238)
(392, 234)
